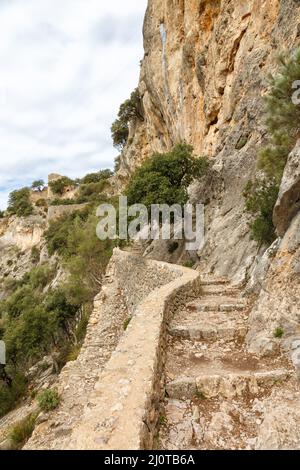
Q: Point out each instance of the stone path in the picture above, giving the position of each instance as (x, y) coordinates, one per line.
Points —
(216, 392)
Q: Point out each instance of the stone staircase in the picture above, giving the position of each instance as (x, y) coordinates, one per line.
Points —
(213, 386)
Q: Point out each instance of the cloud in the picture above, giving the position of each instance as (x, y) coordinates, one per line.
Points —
(65, 69)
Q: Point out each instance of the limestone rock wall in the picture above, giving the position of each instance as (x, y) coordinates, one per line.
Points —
(278, 303)
(24, 233)
(202, 80)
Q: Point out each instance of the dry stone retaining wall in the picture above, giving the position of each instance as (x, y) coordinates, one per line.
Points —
(55, 212)
(112, 393)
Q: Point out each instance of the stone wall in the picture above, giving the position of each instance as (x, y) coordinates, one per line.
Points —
(55, 212)
(111, 393)
(123, 411)
(70, 192)
(37, 195)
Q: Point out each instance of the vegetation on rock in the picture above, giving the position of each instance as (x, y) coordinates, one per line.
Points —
(282, 121)
(283, 116)
(48, 400)
(261, 196)
(37, 316)
(164, 178)
(129, 110)
(19, 203)
(101, 175)
(278, 333)
(38, 185)
(59, 186)
(22, 431)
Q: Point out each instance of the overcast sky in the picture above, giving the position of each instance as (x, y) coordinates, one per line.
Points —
(65, 67)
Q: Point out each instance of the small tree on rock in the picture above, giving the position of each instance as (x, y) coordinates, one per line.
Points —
(38, 185)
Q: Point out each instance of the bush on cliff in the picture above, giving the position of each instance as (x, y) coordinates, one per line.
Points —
(48, 400)
(164, 178)
(283, 126)
(74, 238)
(283, 116)
(38, 185)
(10, 394)
(21, 432)
(60, 185)
(34, 320)
(37, 317)
(101, 175)
(129, 110)
(19, 203)
(261, 196)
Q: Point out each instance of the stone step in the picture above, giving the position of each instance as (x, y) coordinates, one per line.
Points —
(215, 304)
(226, 385)
(221, 290)
(207, 281)
(208, 331)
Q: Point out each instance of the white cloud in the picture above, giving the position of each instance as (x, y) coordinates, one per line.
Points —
(65, 69)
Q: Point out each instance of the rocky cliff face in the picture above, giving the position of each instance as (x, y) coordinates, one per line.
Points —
(203, 78)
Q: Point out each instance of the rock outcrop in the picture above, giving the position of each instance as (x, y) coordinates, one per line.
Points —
(288, 204)
(278, 304)
(203, 79)
(23, 233)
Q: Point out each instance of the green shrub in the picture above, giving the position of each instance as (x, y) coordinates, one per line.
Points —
(164, 178)
(92, 192)
(81, 328)
(189, 264)
(59, 232)
(283, 126)
(117, 163)
(283, 116)
(38, 185)
(22, 299)
(272, 159)
(36, 318)
(35, 254)
(12, 393)
(2, 214)
(22, 431)
(131, 109)
(29, 336)
(39, 277)
(58, 306)
(19, 203)
(241, 142)
(278, 333)
(59, 186)
(127, 323)
(41, 203)
(48, 400)
(261, 196)
(101, 175)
